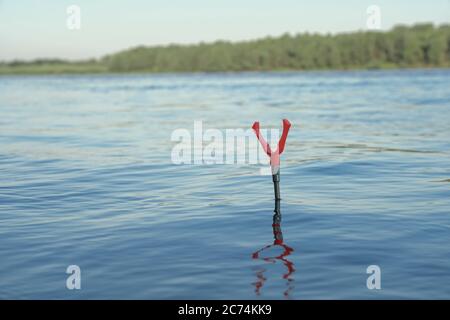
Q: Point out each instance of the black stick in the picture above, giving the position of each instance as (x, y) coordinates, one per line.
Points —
(276, 189)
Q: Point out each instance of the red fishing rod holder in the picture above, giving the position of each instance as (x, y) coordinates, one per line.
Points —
(274, 157)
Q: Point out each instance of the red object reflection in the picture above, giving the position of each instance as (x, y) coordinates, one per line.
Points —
(286, 251)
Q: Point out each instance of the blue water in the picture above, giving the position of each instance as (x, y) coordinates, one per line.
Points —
(86, 179)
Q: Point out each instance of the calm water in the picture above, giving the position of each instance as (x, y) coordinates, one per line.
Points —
(86, 178)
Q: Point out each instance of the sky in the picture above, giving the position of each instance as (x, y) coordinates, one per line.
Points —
(32, 29)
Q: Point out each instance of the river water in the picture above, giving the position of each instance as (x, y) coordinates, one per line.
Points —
(87, 178)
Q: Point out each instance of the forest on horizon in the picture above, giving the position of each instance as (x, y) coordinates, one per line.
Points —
(418, 46)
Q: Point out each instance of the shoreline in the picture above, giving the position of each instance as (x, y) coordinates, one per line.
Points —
(274, 71)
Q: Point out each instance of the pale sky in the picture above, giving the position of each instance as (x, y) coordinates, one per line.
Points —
(37, 28)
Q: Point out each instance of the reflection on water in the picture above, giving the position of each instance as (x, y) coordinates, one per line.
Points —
(265, 255)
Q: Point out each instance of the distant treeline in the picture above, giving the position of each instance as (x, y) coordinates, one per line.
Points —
(421, 45)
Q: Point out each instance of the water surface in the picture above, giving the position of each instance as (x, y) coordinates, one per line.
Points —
(86, 178)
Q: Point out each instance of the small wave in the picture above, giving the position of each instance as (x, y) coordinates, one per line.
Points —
(377, 149)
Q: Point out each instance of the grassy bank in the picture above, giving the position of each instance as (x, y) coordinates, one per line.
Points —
(61, 67)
